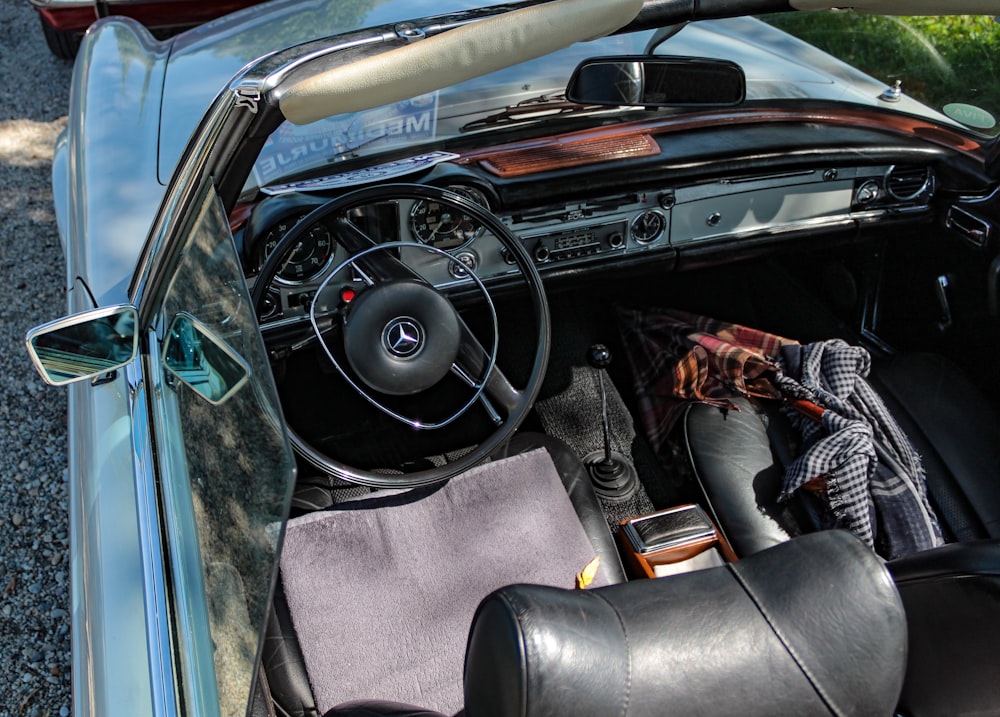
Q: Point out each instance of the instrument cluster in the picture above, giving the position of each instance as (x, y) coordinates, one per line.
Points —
(552, 235)
(560, 234)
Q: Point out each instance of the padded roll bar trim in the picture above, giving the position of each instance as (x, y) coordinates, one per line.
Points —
(454, 56)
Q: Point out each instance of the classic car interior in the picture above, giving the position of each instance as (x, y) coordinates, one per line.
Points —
(505, 502)
(793, 219)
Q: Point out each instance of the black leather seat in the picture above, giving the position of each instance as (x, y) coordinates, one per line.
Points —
(739, 458)
(950, 593)
(811, 627)
(282, 657)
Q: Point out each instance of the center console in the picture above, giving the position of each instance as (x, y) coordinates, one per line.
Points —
(671, 541)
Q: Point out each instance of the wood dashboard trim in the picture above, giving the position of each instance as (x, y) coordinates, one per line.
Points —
(578, 148)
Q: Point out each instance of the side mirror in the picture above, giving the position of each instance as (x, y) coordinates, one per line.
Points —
(652, 81)
(202, 361)
(84, 345)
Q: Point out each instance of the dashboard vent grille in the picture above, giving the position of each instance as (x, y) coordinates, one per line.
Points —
(576, 153)
(906, 183)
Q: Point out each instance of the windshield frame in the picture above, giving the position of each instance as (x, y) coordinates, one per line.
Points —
(495, 95)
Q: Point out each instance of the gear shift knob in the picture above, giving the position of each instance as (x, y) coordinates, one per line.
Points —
(599, 356)
(613, 476)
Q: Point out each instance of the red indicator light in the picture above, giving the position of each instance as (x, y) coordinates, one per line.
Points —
(347, 295)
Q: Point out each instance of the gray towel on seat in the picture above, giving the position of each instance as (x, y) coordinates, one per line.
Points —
(382, 591)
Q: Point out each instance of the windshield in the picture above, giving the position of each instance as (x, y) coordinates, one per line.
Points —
(950, 63)
(944, 67)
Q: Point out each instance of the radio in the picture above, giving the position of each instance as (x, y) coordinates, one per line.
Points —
(576, 243)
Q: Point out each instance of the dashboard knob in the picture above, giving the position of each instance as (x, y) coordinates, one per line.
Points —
(541, 253)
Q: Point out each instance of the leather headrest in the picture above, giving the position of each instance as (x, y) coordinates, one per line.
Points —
(812, 626)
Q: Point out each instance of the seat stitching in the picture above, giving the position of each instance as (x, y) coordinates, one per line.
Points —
(513, 605)
(813, 681)
(697, 475)
(628, 651)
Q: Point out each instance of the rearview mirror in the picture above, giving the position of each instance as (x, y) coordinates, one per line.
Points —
(650, 81)
(84, 345)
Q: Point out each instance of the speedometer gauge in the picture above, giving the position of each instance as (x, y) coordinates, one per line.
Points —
(443, 227)
(311, 254)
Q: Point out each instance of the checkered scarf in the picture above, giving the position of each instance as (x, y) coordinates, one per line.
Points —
(872, 477)
(874, 480)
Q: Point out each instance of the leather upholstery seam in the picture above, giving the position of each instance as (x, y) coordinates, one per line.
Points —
(784, 642)
(628, 651)
(516, 614)
(710, 504)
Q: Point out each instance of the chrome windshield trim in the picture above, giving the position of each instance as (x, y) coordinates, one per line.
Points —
(160, 645)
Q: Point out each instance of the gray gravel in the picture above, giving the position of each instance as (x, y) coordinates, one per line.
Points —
(34, 529)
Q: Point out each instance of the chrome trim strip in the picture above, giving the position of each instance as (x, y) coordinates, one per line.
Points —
(838, 221)
(70, 4)
(64, 4)
(195, 669)
(163, 682)
(165, 241)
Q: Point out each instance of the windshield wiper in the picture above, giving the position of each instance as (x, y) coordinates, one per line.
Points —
(541, 106)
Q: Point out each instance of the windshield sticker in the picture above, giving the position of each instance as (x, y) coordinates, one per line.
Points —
(294, 148)
(969, 115)
(389, 170)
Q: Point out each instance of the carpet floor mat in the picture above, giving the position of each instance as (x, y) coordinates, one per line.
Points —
(382, 590)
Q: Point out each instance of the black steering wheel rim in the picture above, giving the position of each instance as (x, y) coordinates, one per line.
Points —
(517, 403)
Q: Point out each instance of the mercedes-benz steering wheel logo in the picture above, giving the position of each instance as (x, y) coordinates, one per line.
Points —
(403, 337)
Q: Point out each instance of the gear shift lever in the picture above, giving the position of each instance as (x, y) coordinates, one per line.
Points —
(612, 474)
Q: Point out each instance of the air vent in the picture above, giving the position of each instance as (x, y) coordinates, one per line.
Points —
(906, 183)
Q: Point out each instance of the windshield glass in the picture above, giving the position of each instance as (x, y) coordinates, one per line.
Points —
(950, 63)
(944, 66)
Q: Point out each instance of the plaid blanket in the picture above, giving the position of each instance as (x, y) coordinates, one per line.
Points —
(870, 476)
(678, 357)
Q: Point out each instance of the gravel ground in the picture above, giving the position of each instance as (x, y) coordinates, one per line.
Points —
(34, 530)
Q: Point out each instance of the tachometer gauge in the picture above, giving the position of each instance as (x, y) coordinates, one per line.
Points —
(442, 227)
(310, 256)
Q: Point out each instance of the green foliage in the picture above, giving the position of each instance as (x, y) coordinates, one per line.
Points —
(938, 59)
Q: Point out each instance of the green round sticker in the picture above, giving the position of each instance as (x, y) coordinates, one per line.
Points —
(969, 115)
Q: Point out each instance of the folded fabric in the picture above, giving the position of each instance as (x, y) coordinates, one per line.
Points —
(872, 473)
(872, 479)
(677, 357)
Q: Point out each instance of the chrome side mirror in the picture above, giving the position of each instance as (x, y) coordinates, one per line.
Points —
(202, 361)
(84, 345)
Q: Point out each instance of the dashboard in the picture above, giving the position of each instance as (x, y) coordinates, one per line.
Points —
(577, 234)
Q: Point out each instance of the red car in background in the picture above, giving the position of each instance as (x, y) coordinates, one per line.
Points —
(65, 21)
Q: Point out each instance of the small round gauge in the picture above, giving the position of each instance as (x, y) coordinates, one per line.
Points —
(312, 254)
(648, 226)
(442, 226)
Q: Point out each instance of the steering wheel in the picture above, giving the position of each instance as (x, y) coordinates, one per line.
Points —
(401, 336)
